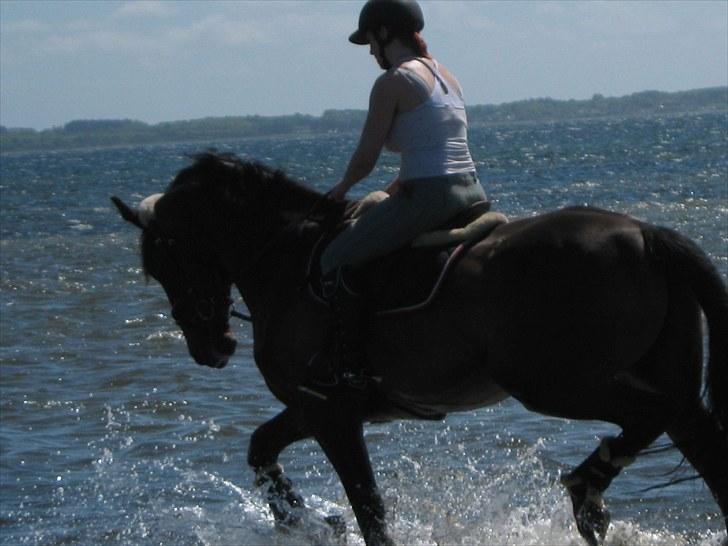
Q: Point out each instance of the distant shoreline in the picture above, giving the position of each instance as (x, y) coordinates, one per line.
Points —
(124, 132)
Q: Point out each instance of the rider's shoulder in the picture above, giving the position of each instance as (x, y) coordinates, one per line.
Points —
(389, 82)
(395, 79)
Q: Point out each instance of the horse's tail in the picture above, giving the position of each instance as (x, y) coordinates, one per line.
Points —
(684, 261)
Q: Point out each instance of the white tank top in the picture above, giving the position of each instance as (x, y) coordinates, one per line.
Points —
(433, 138)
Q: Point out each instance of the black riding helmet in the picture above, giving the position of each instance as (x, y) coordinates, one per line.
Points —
(396, 15)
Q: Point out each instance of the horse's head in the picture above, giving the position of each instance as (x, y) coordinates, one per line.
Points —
(219, 217)
(176, 253)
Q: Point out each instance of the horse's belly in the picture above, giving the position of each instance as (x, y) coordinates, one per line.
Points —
(427, 359)
(452, 397)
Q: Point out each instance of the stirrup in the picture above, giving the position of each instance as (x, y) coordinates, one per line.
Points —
(359, 380)
(335, 280)
(312, 392)
(328, 378)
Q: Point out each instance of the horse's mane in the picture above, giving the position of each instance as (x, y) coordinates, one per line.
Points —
(242, 178)
(240, 184)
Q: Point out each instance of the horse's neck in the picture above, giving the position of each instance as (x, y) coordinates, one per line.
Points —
(292, 198)
(281, 271)
(286, 241)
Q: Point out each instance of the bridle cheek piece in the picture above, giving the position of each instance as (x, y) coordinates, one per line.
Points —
(204, 310)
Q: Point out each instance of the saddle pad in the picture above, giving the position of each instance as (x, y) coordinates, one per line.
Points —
(473, 223)
(475, 230)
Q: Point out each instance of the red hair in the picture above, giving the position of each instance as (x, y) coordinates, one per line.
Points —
(417, 43)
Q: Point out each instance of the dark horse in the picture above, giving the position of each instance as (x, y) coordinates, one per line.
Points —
(580, 313)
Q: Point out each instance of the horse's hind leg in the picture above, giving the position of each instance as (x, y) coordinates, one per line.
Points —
(590, 479)
(705, 446)
(266, 444)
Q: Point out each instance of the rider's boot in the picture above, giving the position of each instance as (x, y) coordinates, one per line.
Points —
(349, 309)
(343, 360)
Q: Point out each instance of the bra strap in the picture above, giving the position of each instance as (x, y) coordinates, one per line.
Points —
(435, 73)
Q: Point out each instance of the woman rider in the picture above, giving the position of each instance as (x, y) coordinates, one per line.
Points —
(416, 108)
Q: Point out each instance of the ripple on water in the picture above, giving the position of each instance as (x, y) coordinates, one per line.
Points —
(110, 434)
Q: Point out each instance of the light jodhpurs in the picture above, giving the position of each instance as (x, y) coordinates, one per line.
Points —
(418, 206)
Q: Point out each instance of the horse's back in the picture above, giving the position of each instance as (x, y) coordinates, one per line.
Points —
(569, 231)
(588, 246)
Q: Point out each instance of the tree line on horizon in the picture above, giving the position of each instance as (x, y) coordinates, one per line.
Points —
(110, 132)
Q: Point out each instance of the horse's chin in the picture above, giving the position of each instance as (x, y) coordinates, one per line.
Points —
(213, 354)
(212, 361)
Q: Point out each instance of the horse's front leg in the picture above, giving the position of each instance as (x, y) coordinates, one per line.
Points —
(340, 433)
(266, 444)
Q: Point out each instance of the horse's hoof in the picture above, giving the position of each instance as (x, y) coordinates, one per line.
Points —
(337, 524)
(285, 519)
(592, 516)
(592, 519)
(283, 499)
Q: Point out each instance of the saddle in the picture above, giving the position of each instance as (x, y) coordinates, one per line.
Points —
(409, 279)
(405, 281)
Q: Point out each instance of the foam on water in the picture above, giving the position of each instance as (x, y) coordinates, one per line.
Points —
(432, 501)
(517, 503)
(143, 490)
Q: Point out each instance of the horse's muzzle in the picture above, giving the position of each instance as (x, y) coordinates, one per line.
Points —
(214, 353)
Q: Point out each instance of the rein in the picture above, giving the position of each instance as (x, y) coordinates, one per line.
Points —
(241, 316)
(271, 244)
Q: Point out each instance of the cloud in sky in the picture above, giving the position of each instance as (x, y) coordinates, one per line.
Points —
(164, 60)
(150, 8)
(163, 27)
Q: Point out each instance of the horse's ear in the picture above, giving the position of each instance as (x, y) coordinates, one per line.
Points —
(127, 213)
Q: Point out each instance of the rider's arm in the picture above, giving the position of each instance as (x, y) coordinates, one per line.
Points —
(382, 108)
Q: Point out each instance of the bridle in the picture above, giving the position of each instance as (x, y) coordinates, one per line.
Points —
(191, 309)
(203, 310)
(272, 243)
(204, 307)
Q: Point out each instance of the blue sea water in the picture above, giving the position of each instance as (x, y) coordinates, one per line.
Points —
(110, 434)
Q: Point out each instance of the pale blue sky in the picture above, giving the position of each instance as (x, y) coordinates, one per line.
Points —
(163, 61)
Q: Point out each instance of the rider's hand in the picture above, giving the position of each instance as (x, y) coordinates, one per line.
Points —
(393, 187)
(338, 192)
